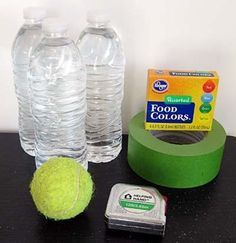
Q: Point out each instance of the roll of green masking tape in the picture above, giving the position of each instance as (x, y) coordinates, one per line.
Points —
(175, 165)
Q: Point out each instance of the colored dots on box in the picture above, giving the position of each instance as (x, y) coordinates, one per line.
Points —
(209, 86)
(205, 108)
(207, 98)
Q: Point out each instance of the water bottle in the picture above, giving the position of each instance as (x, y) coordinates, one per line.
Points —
(58, 83)
(103, 55)
(26, 40)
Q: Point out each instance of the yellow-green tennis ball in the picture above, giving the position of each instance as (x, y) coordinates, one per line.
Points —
(61, 188)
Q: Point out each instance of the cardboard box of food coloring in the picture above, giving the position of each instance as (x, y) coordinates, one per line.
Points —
(180, 100)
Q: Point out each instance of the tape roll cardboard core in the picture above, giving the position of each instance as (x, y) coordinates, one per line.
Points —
(179, 137)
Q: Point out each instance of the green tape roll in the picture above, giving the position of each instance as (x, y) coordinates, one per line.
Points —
(174, 165)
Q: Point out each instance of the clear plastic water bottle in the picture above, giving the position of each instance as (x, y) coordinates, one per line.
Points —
(58, 82)
(26, 40)
(103, 55)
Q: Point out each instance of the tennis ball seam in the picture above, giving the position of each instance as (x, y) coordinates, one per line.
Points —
(77, 195)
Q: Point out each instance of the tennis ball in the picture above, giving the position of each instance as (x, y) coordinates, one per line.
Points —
(61, 188)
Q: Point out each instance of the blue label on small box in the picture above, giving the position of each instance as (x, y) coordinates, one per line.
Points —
(160, 112)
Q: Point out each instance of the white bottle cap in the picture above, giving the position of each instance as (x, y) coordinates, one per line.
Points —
(36, 13)
(98, 16)
(54, 25)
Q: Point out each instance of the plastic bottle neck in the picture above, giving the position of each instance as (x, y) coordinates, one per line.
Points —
(55, 35)
(33, 22)
(98, 25)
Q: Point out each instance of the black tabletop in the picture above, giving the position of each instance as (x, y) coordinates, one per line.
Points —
(204, 214)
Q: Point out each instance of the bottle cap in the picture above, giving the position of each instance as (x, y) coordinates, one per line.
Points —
(98, 16)
(36, 13)
(54, 25)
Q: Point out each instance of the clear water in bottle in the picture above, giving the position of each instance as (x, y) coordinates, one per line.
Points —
(58, 82)
(103, 55)
(26, 40)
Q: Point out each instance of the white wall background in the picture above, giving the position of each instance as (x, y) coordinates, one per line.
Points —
(184, 34)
